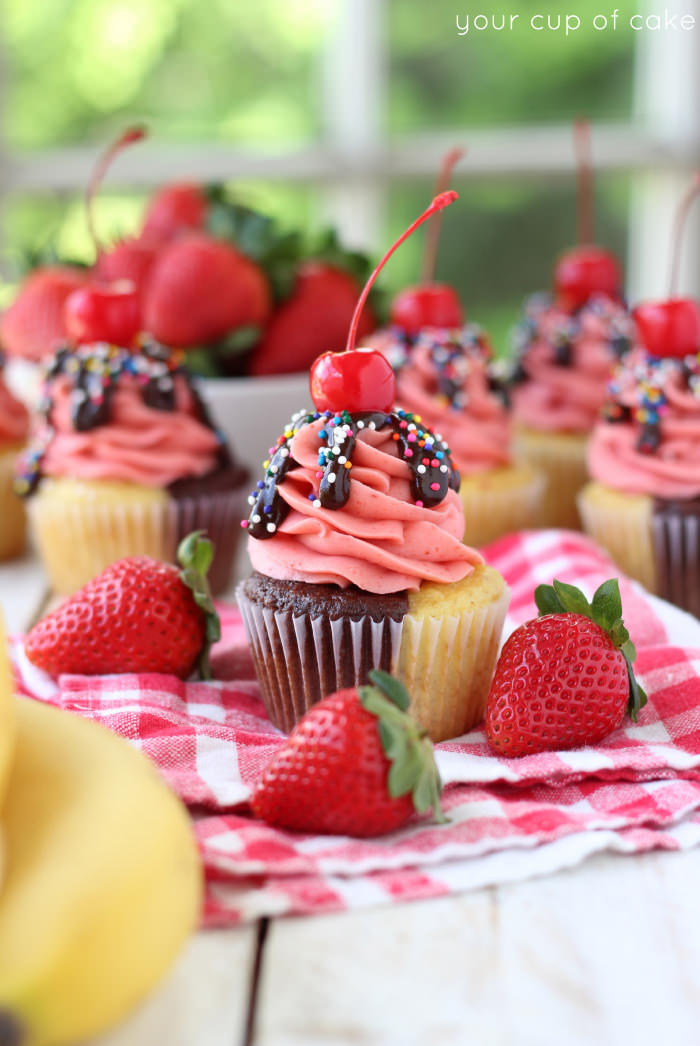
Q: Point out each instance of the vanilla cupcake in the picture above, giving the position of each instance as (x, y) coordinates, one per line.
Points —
(14, 428)
(125, 461)
(446, 379)
(563, 364)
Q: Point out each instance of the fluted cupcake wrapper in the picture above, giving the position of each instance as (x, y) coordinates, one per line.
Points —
(676, 541)
(561, 458)
(12, 516)
(219, 515)
(445, 663)
(622, 525)
(79, 539)
(500, 502)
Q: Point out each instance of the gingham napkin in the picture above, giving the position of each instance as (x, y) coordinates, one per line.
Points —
(509, 819)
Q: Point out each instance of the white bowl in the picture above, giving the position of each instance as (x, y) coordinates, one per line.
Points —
(253, 412)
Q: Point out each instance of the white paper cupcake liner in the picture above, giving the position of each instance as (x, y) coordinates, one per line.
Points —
(79, 539)
(490, 511)
(561, 458)
(622, 525)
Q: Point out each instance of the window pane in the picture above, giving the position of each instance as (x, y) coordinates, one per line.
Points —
(499, 241)
(82, 69)
(438, 79)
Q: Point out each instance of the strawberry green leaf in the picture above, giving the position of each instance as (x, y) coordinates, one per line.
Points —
(405, 773)
(195, 554)
(547, 601)
(572, 599)
(606, 604)
(426, 793)
(638, 697)
(393, 688)
(405, 744)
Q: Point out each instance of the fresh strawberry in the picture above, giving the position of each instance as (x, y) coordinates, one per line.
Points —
(130, 259)
(356, 764)
(565, 679)
(177, 208)
(138, 615)
(201, 289)
(313, 320)
(33, 324)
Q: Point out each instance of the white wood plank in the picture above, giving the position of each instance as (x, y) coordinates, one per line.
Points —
(23, 589)
(204, 1001)
(607, 953)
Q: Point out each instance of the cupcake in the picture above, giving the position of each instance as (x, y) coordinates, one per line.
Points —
(14, 427)
(566, 347)
(355, 538)
(564, 358)
(643, 505)
(446, 379)
(125, 461)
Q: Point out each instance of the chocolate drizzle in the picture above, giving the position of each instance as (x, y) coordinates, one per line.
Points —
(569, 328)
(94, 373)
(637, 393)
(452, 353)
(427, 456)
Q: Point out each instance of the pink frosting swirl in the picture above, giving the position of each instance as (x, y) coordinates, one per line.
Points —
(14, 417)
(557, 397)
(380, 541)
(478, 430)
(138, 445)
(670, 471)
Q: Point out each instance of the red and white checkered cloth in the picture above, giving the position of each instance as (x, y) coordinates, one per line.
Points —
(509, 819)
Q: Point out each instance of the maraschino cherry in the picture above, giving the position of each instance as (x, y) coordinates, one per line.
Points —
(586, 269)
(362, 379)
(430, 304)
(671, 328)
(104, 312)
(108, 312)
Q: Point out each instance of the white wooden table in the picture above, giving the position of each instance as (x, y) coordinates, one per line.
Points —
(606, 953)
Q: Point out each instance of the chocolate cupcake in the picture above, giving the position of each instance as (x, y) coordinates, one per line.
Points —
(126, 461)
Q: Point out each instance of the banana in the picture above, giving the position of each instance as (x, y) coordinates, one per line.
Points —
(7, 717)
(103, 880)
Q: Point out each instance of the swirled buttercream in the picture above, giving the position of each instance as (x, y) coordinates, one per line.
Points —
(380, 540)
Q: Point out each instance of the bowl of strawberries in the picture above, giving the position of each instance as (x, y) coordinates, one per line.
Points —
(251, 304)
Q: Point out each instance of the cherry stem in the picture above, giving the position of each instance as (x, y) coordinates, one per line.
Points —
(438, 204)
(584, 192)
(432, 237)
(678, 230)
(104, 161)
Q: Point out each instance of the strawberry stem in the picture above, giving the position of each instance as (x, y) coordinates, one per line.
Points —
(678, 230)
(441, 201)
(432, 236)
(605, 610)
(406, 744)
(584, 192)
(195, 554)
(104, 161)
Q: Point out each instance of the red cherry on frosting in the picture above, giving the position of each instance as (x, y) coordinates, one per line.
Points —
(669, 328)
(432, 305)
(584, 271)
(109, 312)
(359, 380)
(362, 379)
